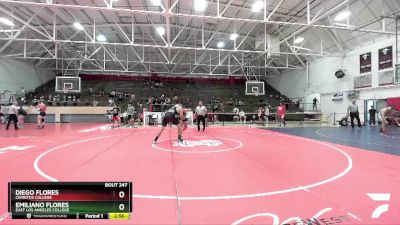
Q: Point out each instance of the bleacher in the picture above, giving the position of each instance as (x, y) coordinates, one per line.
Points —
(210, 93)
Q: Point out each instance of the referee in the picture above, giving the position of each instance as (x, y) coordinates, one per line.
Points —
(354, 113)
(201, 112)
(12, 115)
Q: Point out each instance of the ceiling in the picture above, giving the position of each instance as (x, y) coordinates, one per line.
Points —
(44, 34)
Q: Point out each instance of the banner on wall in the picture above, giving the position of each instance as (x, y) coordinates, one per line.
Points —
(365, 63)
(386, 58)
(337, 96)
(363, 81)
(386, 77)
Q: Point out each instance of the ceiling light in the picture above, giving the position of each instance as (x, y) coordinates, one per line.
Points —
(342, 16)
(220, 44)
(200, 5)
(257, 6)
(160, 31)
(78, 26)
(298, 40)
(101, 38)
(233, 37)
(156, 2)
(6, 21)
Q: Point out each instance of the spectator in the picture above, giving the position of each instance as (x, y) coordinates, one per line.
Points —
(280, 114)
(21, 117)
(112, 94)
(236, 114)
(372, 113)
(2, 120)
(95, 103)
(120, 97)
(314, 104)
(110, 102)
(242, 116)
(35, 102)
(116, 120)
(133, 98)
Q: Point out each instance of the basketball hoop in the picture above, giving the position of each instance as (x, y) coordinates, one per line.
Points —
(256, 93)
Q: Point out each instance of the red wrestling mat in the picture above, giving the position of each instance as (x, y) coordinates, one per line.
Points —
(225, 175)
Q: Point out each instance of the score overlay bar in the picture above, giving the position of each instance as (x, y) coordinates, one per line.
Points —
(69, 200)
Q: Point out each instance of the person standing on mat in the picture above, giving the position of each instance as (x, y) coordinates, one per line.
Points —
(2, 120)
(281, 113)
(201, 112)
(352, 110)
(42, 113)
(130, 111)
(175, 115)
(116, 120)
(266, 109)
(383, 117)
(12, 115)
(372, 113)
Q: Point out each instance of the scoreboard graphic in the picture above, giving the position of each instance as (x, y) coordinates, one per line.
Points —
(70, 200)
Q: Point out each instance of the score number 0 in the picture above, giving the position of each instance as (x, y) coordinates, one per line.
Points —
(121, 206)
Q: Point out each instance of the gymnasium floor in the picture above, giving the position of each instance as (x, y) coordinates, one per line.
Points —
(226, 175)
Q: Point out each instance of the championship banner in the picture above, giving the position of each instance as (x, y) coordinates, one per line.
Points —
(363, 81)
(385, 77)
(365, 63)
(386, 58)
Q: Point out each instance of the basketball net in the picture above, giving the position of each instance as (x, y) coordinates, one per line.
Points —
(66, 90)
(256, 93)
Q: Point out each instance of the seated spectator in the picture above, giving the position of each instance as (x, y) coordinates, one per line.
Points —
(242, 116)
(133, 98)
(35, 102)
(120, 97)
(87, 102)
(95, 103)
(112, 94)
(110, 102)
(235, 110)
(236, 116)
